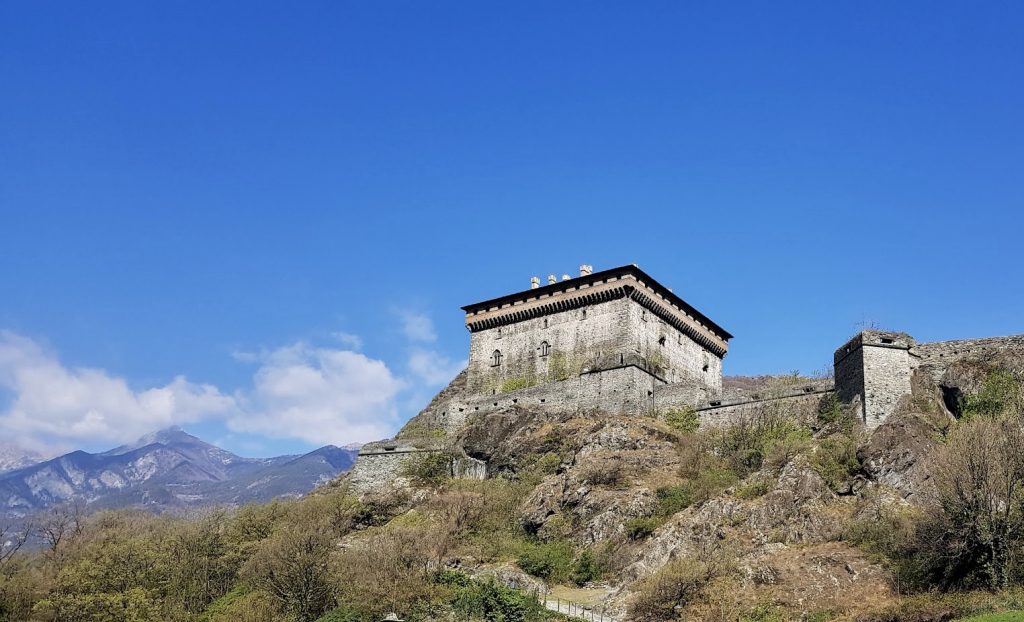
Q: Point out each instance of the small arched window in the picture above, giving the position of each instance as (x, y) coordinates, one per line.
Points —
(661, 340)
(496, 358)
(545, 348)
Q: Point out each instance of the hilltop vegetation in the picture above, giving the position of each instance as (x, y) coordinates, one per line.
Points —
(784, 516)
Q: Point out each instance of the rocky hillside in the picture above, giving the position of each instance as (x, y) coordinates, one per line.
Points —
(775, 516)
(165, 470)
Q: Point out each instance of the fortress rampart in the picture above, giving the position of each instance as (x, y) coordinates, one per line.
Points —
(617, 342)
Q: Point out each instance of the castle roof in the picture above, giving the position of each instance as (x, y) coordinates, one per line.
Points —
(624, 281)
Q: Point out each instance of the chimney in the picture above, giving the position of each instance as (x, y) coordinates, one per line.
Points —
(586, 270)
(551, 279)
(565, 277)
(534, 282)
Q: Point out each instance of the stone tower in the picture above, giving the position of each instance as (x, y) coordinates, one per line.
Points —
(874, 367)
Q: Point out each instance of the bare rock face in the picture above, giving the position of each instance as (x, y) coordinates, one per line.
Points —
(690, 531)
(795, 511)
(895, 454)
(812, 578)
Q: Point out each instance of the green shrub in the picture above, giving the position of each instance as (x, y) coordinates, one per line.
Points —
(682, 419)
(830, 410)
(548, 463)
(429, 469)
(753, 489)
(1001, 393)
(708, 484)
(547, 560)
(490, 601)
(343, 614)
(763, 613)
(778, 451)
(745, 445)
(836, 460)
(561, 367)
(642, 526)
(672, 499)
(588, 567)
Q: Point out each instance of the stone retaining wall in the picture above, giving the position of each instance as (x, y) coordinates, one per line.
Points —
(803, 405)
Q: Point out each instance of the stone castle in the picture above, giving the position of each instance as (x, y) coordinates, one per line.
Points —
(619, 342)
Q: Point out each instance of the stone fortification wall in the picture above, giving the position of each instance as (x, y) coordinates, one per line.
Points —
(380, 463)
(576, 339)
(676, 357)
(627, 389)
(682, 395)
(803, 405)
(936, 357)
(560, 345)
(877, 366)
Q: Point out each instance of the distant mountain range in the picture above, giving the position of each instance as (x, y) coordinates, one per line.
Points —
(164, 471)
(15, 457)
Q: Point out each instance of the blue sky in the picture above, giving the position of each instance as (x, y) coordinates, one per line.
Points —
(259, 220)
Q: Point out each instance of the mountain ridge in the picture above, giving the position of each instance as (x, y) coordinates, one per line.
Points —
(165, 470)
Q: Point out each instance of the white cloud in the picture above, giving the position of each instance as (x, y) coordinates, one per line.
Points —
(81, 404)
(317, 394)
(348, 339)
(432, 368)
(321, 396)
(417, 327)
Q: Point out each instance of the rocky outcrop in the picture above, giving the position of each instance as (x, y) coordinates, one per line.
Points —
(895, 454)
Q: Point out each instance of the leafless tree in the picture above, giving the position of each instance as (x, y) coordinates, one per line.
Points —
(12, 539)
(58, 523)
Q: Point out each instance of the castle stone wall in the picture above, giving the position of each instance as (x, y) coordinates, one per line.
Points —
(802, 406)
(577, 338)
(377, 468)
(626, 389)
(938, 356)
(676, 357)
(598, 336)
